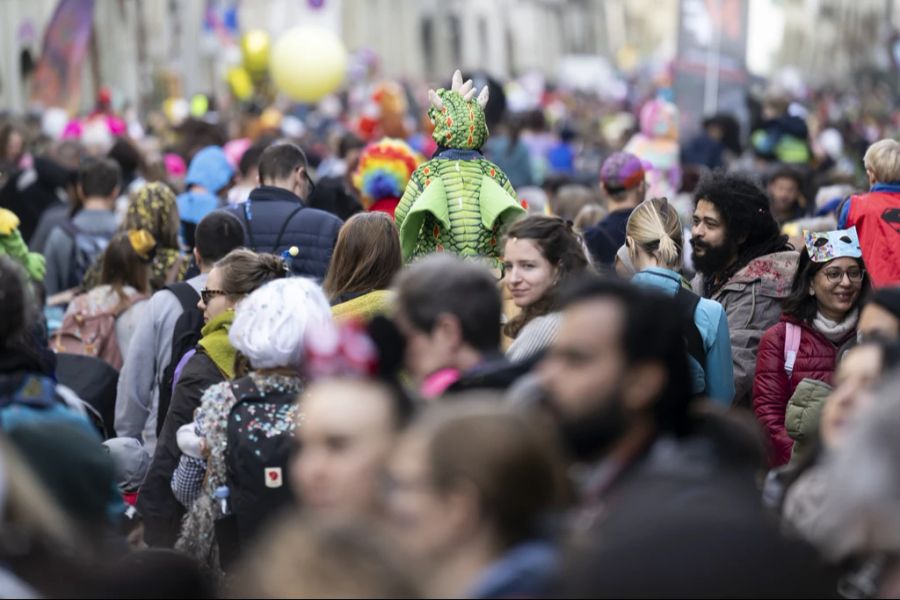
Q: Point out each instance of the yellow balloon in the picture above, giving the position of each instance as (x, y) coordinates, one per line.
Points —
(255, 45)
(307, 64)
(240, 83)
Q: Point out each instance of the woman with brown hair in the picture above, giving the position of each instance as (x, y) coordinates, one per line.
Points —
(117, 299)
(231, 280)
(539, 255)
(366, 258)
(470, 489)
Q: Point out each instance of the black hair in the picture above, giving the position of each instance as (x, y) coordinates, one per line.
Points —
(14, 299)
(744, 208)
(250, 158)
(350, 141)
(800, 304)
(648, 334)
(444, 284)
(99, 177)
(786, 172)
(217, 234)
(279, 161)
(127, 156)
(887, 298)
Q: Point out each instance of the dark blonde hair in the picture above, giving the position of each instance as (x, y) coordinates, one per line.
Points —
(366, 256)
(655, 228)
(244, 271)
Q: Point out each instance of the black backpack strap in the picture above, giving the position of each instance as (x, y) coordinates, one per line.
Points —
(687, 306)
(186, 294)
(70, 228)
(244, 388)
(284, 227)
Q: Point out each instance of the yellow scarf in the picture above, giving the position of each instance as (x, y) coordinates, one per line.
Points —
(215, 343)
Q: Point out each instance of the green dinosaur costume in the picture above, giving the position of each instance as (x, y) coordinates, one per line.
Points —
(458, 201)
(12, 244)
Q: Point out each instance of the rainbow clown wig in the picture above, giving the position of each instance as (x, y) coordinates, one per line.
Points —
(383, 172)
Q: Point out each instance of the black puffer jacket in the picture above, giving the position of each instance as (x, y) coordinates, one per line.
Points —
(161, 511)
(275, 219)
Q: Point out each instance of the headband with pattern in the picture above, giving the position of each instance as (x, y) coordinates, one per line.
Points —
(825, 246)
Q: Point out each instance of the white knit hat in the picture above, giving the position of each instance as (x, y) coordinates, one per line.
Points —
(271, 324)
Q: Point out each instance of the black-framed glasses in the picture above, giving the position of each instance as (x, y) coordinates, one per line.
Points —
(207, 295)
(312, 185)
(855, 274)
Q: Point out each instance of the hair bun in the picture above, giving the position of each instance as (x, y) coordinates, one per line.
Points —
(274, 264)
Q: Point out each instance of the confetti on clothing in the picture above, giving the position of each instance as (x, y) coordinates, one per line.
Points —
(198, 527)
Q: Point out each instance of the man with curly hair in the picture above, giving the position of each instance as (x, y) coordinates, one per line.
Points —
(742, 262)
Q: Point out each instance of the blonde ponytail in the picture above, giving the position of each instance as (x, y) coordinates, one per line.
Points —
(655, 228)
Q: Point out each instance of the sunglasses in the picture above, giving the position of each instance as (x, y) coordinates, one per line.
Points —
(207, 295)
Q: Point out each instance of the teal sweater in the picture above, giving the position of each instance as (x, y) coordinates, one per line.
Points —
(715, 378)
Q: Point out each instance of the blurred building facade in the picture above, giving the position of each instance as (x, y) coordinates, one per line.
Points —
(831, 40)
(144, 48)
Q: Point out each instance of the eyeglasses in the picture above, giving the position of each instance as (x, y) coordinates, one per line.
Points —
(836, 275)
(207, 295)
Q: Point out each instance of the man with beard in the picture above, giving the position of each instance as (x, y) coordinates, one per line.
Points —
(743, 262)
(665, 483)
(616, 380)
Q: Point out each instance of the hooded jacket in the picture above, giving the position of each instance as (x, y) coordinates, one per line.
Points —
(752, 301)
(211, 170)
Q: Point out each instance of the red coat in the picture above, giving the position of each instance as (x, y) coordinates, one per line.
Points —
(772, 389)
(876, 216)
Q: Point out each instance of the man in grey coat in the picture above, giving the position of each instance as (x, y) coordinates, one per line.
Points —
(150, 352)
(744, 263)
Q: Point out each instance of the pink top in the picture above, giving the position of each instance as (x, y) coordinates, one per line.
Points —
(438, 382)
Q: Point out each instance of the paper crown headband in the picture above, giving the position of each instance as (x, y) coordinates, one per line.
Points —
(825, 246)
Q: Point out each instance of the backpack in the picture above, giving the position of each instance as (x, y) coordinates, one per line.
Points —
(687, 303)
(87, 250)
(30, 398)
(793, 333)
(248, 227)
(259, 444)
(185, 336)
(90, 333)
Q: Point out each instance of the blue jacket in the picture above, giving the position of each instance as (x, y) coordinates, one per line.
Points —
(271, 211)
(717, 375)
(524, 571)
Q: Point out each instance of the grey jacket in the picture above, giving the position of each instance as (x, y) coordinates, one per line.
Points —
(752, 300)
(60, 248)
(148, 356)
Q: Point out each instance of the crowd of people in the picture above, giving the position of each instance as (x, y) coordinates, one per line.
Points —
(481, 366)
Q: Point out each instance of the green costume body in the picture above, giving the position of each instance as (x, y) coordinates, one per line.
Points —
(458, 201)
(12, 244)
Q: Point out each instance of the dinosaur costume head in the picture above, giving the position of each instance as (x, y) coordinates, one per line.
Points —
(458, 201)
(458, 116)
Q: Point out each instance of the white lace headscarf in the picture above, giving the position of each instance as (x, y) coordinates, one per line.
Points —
(271, 325)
